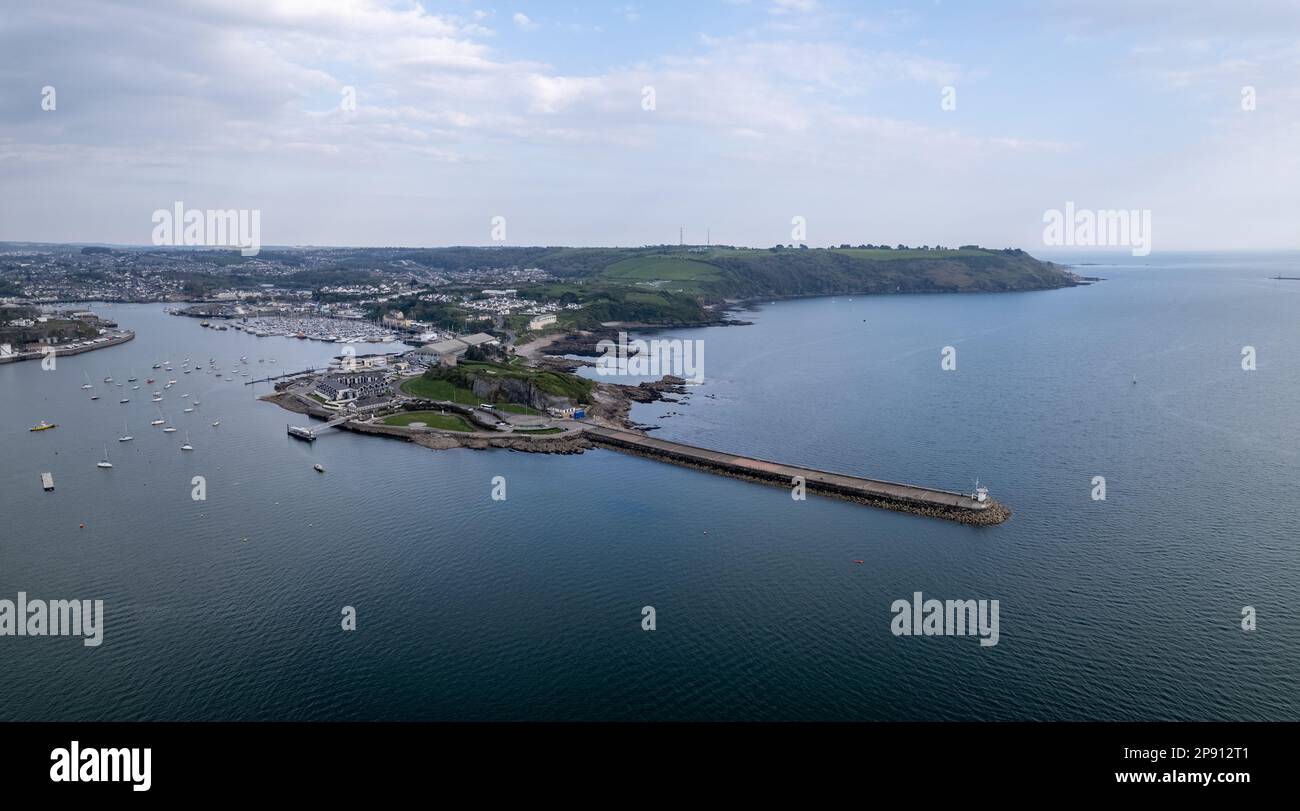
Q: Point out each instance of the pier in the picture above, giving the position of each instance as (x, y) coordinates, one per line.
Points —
(280, 377)
(946, 504)
(310, 434)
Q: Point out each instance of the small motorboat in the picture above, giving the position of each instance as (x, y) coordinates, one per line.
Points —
(43, 426)
(319, 468)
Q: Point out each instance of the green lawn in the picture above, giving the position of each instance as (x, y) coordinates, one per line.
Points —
(515, 408)
(440, 390)
(431, 419)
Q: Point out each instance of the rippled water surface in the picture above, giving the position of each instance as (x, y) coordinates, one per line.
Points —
(1127, 608)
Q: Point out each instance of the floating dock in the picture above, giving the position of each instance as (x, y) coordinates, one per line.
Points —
(310, 434)
(299, 432)
(945, 504)
(47, 481)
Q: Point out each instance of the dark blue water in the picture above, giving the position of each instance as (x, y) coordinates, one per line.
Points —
(470, 608)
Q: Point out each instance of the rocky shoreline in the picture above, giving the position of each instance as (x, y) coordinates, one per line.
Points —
(617, 402)
(435, 439)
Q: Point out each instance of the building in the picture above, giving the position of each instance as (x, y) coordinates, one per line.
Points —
(350, 362)
(572, 412)
(479, 339)
(441, 352)
(355, 385)
(540, 321)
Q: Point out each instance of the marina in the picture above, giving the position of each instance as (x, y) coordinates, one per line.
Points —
(315, 328)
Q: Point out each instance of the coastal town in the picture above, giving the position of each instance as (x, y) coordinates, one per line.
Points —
(459, 348)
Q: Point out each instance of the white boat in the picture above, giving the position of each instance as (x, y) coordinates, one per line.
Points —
(188, 410)
(87, 384)
(126, 434)
(124, 400)
(216, 423)
(169, 430)
(187, 446)
(319, 468)
(157, 399)
(104, 462)
(158, 422)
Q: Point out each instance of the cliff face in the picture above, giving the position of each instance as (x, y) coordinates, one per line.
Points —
(516, 390)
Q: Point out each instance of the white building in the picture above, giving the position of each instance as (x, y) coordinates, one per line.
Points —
(539, 321)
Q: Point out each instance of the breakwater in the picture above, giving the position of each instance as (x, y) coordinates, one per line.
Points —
(946, 504)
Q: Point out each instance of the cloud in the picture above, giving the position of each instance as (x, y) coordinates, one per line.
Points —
(786, 6)
(238, 103)
(521, 20)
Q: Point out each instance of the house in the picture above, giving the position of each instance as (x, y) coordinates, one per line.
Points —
(354, 385)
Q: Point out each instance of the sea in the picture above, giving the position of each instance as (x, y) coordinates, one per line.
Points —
(1143, 429)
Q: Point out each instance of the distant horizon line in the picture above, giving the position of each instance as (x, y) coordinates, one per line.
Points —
(1099, 250)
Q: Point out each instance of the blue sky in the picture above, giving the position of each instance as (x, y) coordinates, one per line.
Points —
(764, 110)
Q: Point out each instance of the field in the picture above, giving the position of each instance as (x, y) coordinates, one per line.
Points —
(515, 408)
(431, 419)
(440, 390)
(650, 268)
(885, 254)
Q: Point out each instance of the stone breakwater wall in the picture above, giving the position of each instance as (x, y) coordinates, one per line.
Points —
(924, 501)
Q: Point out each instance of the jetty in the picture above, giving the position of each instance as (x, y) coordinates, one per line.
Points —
(280, 377)
(965, 508)
(310, 434)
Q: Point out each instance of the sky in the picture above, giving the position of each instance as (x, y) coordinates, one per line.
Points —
(403, 123)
